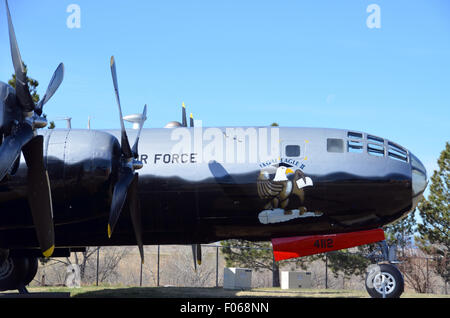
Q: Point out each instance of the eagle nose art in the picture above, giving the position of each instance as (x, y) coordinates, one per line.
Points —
(419, 177)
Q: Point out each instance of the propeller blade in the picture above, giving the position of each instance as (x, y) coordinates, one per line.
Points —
(141, 124)
(126, 150)
(55, 82)
(39, 194)
(126, 188)
(191, 120)
(119, 197)
(135, 212)
(22, 89)
(194, 255)
(12, 145)
(197, 255)
(196, 248)
(183, 119)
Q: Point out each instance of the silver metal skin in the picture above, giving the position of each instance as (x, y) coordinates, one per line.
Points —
(158, 147)
(312, 141)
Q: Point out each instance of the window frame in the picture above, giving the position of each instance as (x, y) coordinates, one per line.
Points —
(292, 145)
(342, 147)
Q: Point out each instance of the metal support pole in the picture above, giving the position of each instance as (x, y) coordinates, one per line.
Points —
(98, 254)
(326, 271)
(384, 249)
(140, 278)
(157, 275)
(275, 273)
(217, 266)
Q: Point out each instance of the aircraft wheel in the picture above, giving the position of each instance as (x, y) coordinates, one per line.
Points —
(4, 254)
(15, 271)
(32, 270)
(384, 278)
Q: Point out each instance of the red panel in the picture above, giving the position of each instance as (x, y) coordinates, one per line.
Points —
(297, 246)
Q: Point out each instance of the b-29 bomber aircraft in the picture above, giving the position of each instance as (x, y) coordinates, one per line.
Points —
(308, 190)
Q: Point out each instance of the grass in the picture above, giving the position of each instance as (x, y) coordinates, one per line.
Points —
(209, 292)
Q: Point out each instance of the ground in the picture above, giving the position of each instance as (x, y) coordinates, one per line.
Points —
(211, 292)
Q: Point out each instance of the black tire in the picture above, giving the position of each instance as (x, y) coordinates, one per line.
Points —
(394, 283)
(32, 270)
(13, 272)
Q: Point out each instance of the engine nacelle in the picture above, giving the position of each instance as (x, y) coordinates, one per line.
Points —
(9, 112)
(82, 166)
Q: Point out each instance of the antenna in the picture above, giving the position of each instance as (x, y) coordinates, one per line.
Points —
(136, 119)
(68, 119)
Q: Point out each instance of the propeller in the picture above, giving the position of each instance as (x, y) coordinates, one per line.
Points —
(183, 119)
(125, 194)
(197, 255)
(196, 248)
(23, 138)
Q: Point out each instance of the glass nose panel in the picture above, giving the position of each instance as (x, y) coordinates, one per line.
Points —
(419, 182)
(419, 176)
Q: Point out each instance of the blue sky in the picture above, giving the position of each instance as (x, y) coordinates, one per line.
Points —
(245, 62)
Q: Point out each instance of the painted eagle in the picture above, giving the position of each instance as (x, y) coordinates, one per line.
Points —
(278, 190)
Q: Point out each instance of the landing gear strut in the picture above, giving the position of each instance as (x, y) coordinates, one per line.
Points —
(384, 280)
(17, 272)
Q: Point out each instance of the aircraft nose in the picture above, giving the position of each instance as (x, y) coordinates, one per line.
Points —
(419, 177)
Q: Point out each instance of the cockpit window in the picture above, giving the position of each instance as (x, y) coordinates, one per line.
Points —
(354, 135)
(417, 165)
(397, 152)
(355, 142)
(375, 149)
(375, 139)
(375, 146)
(335, 145)
(292, 151)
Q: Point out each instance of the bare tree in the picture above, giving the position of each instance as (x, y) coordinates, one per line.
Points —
(53, 272)
(417, 271)
(179, 270)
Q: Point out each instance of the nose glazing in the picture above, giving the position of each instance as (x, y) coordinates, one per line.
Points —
(419, 177)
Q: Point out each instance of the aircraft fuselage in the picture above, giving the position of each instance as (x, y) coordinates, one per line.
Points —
(200, 185)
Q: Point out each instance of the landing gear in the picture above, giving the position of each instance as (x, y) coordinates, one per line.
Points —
(384, 280)
(17, 272)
